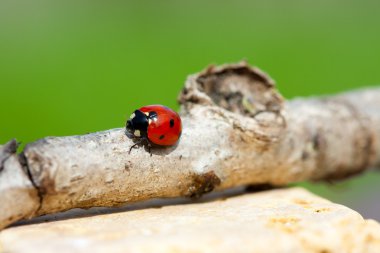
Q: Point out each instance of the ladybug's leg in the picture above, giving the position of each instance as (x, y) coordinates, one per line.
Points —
(134, 145)
(148, 144)
(142, 140)
(149, 148)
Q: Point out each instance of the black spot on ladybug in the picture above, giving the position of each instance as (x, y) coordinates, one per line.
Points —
(172, 123)
(161, 137)
(152, 115)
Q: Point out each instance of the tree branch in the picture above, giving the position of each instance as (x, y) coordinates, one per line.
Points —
(238, 130)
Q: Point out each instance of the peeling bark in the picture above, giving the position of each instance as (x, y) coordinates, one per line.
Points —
(237, 130)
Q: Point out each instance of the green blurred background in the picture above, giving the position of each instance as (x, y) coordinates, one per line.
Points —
(73, 67)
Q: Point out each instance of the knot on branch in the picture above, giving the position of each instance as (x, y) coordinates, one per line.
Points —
(203, 183)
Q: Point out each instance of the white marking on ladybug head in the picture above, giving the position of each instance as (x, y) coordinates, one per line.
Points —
(146, 113)
(137, 133)
(149, 121)
(132, 116)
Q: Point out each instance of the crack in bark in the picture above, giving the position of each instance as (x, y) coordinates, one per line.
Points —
(24, 163)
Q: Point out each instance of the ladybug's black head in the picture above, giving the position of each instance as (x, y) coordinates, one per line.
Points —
(138, 124)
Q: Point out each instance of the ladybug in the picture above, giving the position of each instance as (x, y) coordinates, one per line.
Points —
(155, 125)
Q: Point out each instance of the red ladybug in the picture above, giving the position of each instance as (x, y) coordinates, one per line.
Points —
(156, 124)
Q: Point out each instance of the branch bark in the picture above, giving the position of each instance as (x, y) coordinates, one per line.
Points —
(238, 130)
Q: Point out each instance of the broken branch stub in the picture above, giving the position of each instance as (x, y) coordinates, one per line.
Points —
(237, 130)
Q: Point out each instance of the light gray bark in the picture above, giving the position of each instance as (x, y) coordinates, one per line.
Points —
(237, 130)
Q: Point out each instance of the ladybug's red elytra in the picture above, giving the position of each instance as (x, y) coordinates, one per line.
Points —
(156, 124)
